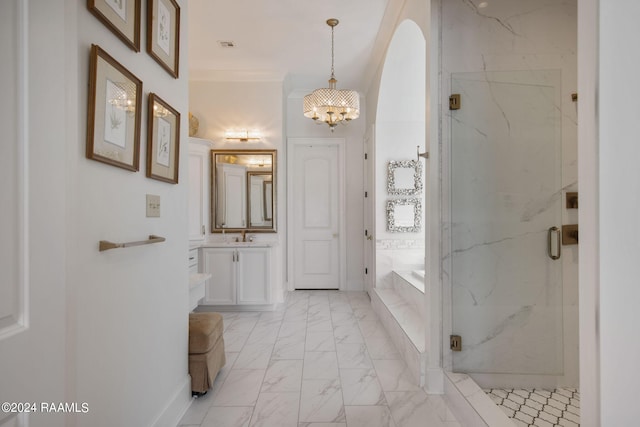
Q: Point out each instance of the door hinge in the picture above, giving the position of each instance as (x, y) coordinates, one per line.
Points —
(455, 342)
(366, 232)
(366, 271)
(366, 194)
(365, 156)
(454, 101)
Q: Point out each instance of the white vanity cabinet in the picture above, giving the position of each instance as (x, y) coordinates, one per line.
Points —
(196, 280)
(199, 171)
(239, 275)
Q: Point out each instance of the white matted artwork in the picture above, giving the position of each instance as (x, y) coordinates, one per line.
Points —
(163, 34)
(163, 141)
(119, 7)
(164, 28)
(114, 115)
(122, 17)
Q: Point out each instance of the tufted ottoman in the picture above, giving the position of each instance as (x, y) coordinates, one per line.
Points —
(206, 350)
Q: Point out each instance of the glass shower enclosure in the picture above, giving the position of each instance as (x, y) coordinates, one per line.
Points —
(506, 188)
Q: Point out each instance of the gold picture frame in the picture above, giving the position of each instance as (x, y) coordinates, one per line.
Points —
(163, 141)
(114, 113)
(122, 17)
(163, 34)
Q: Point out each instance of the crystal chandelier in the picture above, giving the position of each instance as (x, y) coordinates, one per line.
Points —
(330, 105)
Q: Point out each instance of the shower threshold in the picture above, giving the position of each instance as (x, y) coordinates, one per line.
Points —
(502, 407)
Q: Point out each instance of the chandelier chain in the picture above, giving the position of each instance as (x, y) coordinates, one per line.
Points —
(332, 72)
(329, 105)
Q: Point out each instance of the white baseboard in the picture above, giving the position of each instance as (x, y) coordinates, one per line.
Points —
(471, 405)
(177, 406)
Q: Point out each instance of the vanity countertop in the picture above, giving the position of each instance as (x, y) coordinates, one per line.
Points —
(197, 279)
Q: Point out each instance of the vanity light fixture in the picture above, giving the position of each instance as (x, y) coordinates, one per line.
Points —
(243, 135)
(330, 105)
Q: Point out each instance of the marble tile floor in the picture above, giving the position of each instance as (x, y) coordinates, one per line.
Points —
(559, 407)
(316, 363)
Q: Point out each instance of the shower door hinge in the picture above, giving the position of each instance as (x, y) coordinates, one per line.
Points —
(454, 101)
(455, 342)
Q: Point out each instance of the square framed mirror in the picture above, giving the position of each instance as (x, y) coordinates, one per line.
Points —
(243, 190)
(404, 215)
(404, 178)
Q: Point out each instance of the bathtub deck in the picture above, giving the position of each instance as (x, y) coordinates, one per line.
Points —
(401, 308)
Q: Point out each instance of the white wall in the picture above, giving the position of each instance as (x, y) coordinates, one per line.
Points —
(127, 308)
(618, 204)
(221, 106)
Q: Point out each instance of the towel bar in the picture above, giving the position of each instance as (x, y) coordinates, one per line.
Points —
(106, 245)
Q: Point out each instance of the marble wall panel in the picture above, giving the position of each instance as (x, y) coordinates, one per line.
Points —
(525, 38)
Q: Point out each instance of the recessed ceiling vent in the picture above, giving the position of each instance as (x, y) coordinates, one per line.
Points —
(226, 43)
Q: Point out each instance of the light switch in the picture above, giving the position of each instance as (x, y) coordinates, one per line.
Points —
(153, 206)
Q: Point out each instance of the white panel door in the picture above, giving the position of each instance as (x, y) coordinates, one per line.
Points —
(36, 139)
(316, 207)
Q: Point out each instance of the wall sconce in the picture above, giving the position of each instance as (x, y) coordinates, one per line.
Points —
(243, 135)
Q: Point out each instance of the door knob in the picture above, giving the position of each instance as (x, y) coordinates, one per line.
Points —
(369, 237)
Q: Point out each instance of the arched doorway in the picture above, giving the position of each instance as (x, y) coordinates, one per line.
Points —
(399, 203)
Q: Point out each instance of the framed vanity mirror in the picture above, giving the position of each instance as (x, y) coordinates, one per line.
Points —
(404, 215)
(243, 191)
(404, 178)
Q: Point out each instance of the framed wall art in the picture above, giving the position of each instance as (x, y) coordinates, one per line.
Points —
(163, 34)
(163, 141)
(122, 17)
(114, 113)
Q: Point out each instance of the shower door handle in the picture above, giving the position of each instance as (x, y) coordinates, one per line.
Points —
(558, 243)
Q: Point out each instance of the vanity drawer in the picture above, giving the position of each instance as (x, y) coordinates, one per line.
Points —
(193, 259)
